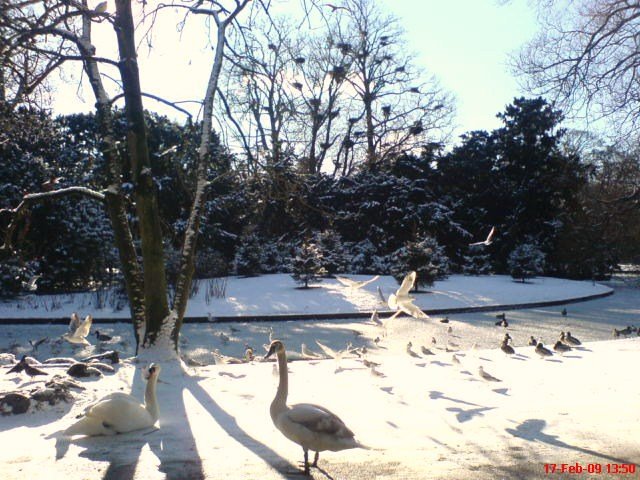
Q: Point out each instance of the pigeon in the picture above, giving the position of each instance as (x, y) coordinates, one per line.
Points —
(571, 340)
(542, 351)
(506, 348)
(486, 376)
(79, 335)
(561, 347)
(411, 352)
(23, 365)
(31, 284)
(532, 341)
(102, 337)
(426, 351)
(347, 282)
(488, 241)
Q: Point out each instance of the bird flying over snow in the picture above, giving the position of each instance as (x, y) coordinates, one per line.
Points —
(488, 241)
(78, 336)
(402, 301)
(347, 282)
(31, 284)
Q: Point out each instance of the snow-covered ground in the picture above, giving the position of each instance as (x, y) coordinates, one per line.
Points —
(425, 418)
(277, 294)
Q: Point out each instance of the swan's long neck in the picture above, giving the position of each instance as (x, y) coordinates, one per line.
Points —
(150, 400)
(279, 403)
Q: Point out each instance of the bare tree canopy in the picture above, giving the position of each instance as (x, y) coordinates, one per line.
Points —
(586, 58)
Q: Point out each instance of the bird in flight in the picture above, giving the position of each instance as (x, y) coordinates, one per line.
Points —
(489, 239)
(31, 284)
(402, 302)
(347, 282)
(335, 7)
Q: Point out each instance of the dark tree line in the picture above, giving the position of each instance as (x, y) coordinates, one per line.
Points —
(520, 178)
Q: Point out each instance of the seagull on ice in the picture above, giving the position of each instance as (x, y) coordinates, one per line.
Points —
(347, 282)
(486, 376)
(78, 336)
(426, 351)
(488, 241)
(402, 302)
(411, 352)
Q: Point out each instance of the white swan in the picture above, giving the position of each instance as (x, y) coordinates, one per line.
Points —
(311, 426)
(119, 412)
(402, 301)
(78, 336)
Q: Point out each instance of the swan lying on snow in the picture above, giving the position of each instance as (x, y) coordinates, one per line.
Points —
(311, 426)
(119, 412)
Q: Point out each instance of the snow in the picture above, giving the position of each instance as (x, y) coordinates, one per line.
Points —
(425, 418)
(276, 294)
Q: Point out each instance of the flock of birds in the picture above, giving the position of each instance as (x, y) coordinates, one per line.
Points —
(311, 426)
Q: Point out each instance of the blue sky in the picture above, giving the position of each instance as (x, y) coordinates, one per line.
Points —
(464, 43)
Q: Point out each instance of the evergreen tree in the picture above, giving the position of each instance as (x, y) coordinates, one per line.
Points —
(307, 264)
(426, 257)
(247, 259)
(334, 256)
(477, 262)
(526, 261)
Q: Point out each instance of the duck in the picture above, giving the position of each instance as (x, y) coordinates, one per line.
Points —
(120, 412)
(506, 348)
(23, 366)
(561, 347)
(571, 340)
(102, 337)
(542, 351)
(532, 341)
(311, 426)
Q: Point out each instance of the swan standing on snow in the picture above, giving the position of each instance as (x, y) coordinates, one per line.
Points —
(311, 426)
(119, 412)
(402, 302)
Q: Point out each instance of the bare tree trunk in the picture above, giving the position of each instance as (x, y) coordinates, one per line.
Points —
(155, 283)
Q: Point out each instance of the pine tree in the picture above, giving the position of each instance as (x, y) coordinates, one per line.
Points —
(307, 264)
(247, 259)
(426, 257)
(526, 261)
(476, 262)
(334, 256)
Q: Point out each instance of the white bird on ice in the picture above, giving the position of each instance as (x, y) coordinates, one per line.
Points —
(489, 239)
(347, 282)
(488, 377)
